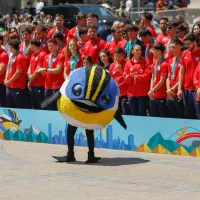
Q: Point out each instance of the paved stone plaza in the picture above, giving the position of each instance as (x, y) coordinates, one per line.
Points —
(28, 172)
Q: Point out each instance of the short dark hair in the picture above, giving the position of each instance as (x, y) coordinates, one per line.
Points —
(82, 31)
(26, 29)
(182, 27)
(190, 37)
(177, 41)
(148, 16)
(132, 27)
(164, 18)
(14, 43)
(52, 41)
(119, 50)
(172, 23)
(88, 58)
(144, 32)
(59, 15)
(41, 28)
(159, 46)
(93, 14)
(58, 35)
(92, 26)
(80, 16)
(36, 42)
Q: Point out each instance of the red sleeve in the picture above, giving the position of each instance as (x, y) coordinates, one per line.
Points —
(4, 58)
(21, 62)
(41, 59)
(126, 74)
(50, 34)
(164, 69)
(102, 44)
(69, 35)
(145, 76)
(60, 59)
(107, 46)
(45, 62)
(196, 77)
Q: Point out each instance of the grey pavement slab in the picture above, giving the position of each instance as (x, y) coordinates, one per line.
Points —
(28, 171)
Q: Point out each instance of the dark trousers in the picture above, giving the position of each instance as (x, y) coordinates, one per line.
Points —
(53, 105)
(189, 99)
(16, 98)
(139, 105)
(2, 95)
(36, 95)
(198, 106)
(176, 108)
(158, 108)
(124, 105)
(71, 130)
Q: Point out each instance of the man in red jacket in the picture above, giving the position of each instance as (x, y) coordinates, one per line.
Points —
(186, 88)
(94, 45)
(3, 65)
(53, 71)
(36, 80)
(157, 93)
(117, 37)
(81, 21)
(15, 80)
(41, 34)
(59, 27)
(116, 70)
(175, 105)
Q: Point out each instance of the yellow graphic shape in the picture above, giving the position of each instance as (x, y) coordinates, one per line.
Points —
(195, 152)
(182, 133)
(143, 148)
(104, 132)
(10, 125)
(180, 151)
(1, 136)
(160, 149)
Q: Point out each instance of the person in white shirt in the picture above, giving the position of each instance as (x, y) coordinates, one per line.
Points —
(129, 5)
(39, 6)
(5, 45)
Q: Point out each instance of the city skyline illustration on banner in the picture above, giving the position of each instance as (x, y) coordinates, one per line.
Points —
(158, 135)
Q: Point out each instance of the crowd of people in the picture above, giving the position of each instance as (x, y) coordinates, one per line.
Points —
(157, 75)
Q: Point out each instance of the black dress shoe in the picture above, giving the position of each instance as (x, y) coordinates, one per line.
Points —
(92, 158)
(68, 158)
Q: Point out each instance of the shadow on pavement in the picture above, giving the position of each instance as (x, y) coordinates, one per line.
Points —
(114, 162)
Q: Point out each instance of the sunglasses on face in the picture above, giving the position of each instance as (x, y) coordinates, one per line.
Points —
(169, 27)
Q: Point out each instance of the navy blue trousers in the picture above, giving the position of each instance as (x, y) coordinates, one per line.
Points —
(139, 105)
(36, 95)
(16, 98)
(198, 107)
(3, 95)
(124, 105)
(176, 108)
(189, 99)
(53, 105)
(158, 108)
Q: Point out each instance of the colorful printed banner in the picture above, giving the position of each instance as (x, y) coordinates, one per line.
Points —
(144, 134)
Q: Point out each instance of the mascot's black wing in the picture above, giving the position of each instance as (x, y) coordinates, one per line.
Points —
(51, 99)
(120, 119)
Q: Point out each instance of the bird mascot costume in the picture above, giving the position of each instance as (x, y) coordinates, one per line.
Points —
(87, 99)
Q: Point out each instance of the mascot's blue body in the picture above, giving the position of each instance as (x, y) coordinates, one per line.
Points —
(87, 99)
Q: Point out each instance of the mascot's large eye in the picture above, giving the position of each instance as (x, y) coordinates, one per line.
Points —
(77, 90)
(105, 99)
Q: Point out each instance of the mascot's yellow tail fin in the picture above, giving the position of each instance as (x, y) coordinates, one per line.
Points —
(120, 119)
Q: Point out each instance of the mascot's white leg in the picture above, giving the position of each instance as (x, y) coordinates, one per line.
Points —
(71, 130)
